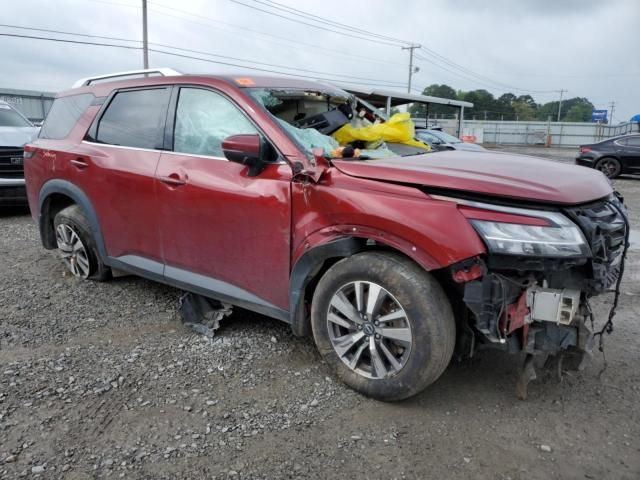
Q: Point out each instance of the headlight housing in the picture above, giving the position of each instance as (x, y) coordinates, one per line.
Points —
(564, 240)
(523, 231)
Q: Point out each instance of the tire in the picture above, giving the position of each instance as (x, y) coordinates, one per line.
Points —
(77, 245)
(610, 166)
(414, 324)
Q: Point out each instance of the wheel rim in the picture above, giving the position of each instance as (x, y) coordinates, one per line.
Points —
(73, 251)
(369, 330)
(608, 167)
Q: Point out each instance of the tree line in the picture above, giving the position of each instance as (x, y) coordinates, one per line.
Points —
(506, 107)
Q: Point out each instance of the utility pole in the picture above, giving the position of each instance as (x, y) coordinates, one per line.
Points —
(560, 103)
(612, 105)
(411, 70)
(145, 42)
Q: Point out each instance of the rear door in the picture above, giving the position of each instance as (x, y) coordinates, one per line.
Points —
(118, 167)
(629, 152)
(221, 230)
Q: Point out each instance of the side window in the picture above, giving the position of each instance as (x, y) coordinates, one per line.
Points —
(64, 114)
(204, 119)
(428, 137)
(633, 142)
(135, 118)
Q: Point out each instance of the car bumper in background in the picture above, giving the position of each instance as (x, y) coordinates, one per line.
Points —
(13, 191)
(585, 161)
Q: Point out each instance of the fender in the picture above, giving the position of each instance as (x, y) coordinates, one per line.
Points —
(343, 241)
(80, 198)
(306, 268)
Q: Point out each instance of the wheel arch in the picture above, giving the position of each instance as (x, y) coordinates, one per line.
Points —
(315, 261)
(56, 195)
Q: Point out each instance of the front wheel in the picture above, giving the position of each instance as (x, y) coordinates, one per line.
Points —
(383, 324)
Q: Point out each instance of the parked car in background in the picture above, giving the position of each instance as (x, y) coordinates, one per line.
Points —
(15, 131)
(612, 156)
(219, 185)
(439, 140)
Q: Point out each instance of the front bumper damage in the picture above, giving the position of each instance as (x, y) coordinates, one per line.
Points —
(541, 306)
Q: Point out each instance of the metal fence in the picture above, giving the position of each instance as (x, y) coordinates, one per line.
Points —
(555, 134)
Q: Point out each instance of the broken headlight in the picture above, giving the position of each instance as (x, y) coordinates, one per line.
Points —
(559, 238)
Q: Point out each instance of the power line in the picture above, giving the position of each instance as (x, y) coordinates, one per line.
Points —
(18, 27)
(390, 83)
(357, 82)
(428, 51)
(64, 40)
(468, 71)
(243, 29)
(130, 47)
(346, 34)
(333, 23)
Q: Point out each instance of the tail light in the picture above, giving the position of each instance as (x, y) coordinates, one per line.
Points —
(29, 150)
(584, 149)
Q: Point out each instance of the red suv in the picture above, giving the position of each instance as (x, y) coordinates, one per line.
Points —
(217, 185)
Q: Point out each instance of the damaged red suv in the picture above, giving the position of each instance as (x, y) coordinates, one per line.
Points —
(393, 259)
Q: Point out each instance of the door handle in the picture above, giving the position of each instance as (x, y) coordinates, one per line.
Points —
(79, 163)
(174, 180)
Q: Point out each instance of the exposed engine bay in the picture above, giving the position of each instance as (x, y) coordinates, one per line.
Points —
(540, 305)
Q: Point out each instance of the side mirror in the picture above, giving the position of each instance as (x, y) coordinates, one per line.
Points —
(251, 150)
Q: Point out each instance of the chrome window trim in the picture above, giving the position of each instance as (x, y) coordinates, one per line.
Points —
(210, 157)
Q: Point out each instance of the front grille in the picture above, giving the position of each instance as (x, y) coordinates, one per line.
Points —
(604, 227)
(11, 162)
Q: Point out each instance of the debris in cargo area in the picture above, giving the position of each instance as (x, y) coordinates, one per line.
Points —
(202, 314)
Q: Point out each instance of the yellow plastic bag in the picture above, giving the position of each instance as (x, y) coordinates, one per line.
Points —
(398, 129)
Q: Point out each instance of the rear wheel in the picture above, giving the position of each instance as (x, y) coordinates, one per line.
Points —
(384, 324)
(609, 166)
(77, 246)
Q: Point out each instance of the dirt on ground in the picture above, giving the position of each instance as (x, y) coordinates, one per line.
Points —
(102, 380)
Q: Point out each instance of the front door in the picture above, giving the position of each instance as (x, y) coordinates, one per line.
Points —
(221, 230)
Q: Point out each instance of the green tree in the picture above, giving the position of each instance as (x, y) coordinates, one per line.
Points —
(579, 113)
(435, 90)
(523, 110)
(579, 107)
(484, 104)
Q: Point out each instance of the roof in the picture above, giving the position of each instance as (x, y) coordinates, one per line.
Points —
(240, 80)
(378, 98)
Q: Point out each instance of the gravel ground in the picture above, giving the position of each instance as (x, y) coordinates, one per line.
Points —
(103, 380)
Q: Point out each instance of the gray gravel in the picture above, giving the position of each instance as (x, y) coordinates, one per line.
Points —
(103, 380)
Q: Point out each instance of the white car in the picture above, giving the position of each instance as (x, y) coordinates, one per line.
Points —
(439, 140)
(15, 131)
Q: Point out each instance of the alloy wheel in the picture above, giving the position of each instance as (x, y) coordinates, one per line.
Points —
(73, 251)
(608, 167)
(369, 330)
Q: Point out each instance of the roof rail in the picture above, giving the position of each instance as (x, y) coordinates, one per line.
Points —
(163, 72)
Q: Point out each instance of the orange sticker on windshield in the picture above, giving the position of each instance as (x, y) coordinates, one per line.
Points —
(245, 82)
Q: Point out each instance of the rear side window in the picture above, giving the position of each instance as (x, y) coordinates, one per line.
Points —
(633, 142)
(63, 115)
(135, 118)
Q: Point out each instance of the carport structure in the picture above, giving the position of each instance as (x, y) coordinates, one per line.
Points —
(386, 99)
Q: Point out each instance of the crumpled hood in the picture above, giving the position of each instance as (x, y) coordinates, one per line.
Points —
(489, 173)
(17, 136)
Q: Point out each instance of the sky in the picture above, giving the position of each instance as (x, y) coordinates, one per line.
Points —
(536, 47)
